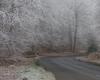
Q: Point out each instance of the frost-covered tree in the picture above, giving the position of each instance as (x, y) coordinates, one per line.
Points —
(83, 19)
(43, 23)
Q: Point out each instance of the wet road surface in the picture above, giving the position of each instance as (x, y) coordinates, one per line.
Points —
(68, 68)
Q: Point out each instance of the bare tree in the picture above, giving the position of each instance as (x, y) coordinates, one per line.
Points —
(83, 16)
(76, 26)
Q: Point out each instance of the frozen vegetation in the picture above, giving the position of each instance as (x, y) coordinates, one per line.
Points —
(25, 73)
(45, 24)
(36, 74)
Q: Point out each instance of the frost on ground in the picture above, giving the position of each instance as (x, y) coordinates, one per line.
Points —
(35, 74)
(24, 73)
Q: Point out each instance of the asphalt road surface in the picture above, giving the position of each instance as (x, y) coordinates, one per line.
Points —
(68, 68)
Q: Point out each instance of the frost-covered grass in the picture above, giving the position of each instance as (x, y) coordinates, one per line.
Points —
(24, 72)
(34, 73)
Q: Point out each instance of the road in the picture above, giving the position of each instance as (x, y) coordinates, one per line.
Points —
(68, 68)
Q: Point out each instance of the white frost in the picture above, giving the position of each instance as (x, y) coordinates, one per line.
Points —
(45, 23)
(35, 74)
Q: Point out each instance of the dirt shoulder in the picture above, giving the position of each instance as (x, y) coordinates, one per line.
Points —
(86, 59)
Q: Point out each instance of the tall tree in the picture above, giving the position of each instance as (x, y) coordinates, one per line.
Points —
(83, 18)
(76, 26)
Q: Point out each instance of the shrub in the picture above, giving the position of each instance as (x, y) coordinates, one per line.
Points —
(92, 48)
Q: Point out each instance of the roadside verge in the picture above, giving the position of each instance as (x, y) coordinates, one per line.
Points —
(85, 59)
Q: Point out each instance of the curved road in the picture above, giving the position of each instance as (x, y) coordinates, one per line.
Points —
(68, 68)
